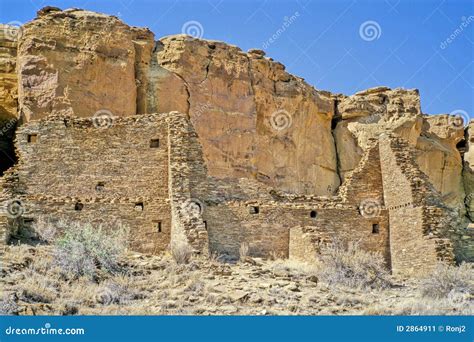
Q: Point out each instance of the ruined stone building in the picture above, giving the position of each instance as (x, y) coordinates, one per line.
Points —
(185, 138)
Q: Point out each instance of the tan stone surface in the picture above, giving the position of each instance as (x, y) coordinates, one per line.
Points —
(8, 77)
(232, 97)
(468, 171)
(439, 158)
(253, 146)
(367, 114)
(78, 62)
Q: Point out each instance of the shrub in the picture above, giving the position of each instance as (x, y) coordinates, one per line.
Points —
(83, 249)
(117, 291)
(181, 252)
(449, 281)
(8, 306)
(47, 230)
(244, 250)
(36, 288)
(348, 265)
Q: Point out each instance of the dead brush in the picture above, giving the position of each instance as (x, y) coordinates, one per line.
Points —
(449, 281)
(347, 264)
(244, 251)
(181, 251)
(84, 249)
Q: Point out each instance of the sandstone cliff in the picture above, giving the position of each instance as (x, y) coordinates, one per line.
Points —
(253, 119)
(79, 62)
(369, 113)
(8, 93)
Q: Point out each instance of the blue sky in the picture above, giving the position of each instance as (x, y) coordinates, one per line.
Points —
(404, 43)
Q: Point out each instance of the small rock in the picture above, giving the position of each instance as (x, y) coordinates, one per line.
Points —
(238, 295)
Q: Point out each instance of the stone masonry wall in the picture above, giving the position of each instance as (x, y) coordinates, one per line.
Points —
(187, 183)
(68, 168)
(298, 226)
(415, 244)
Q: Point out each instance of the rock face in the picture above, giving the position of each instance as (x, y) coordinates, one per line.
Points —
(8, 94)
(79, 62)
(439, 158)
(367, 114)
(370, 113)
(254, 119)
(468, 171)
(8, 78)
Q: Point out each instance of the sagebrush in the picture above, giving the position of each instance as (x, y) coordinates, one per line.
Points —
(347, 264)
(448, 280)
(181, 251)
(84, 249)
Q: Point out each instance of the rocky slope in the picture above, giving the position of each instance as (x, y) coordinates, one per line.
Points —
(254, 120)
(156, 285)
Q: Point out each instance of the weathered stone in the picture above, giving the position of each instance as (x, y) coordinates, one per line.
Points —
(253, 119)
(8, 77)
(468, 171)
(370, 113)
(439, 158)
(78, 62)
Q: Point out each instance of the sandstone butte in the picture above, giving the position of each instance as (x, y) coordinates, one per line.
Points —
(185, 137)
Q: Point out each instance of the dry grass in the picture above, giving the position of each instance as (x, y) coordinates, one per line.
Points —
(181, 252)
(158, 285)
(8, 306)
(244, 250)
(118, 290)
(449, 281)
(347, 264)
(295, 269)
(421, 306)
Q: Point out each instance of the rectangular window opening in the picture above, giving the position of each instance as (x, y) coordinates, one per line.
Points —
(254, 210)
(32, 138)
(158, 226)
(155, 143)
(100, 186)
(375, 228)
